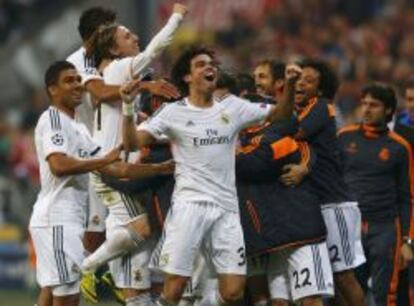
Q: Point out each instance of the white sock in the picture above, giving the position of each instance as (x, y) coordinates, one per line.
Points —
(143, 299)
(121, 241)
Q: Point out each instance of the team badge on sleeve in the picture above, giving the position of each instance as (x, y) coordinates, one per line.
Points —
(57, 139)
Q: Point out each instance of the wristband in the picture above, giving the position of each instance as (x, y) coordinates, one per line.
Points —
(127, 109)
(408, 241)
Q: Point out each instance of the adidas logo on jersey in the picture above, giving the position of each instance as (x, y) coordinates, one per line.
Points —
(189, 123)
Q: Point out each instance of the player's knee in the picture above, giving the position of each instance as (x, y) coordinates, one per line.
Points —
(315, 300)
(146, 231)
(173, 288)
(231, 295)
(142, 227)
(346, 280)
(280, 302)
(66, 289)
(349, 287)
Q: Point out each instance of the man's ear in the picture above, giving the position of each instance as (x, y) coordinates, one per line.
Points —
(52, 90)
(113, 52)
(187, 78)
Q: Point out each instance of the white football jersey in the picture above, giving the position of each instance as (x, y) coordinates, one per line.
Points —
(123, 70)
(85, 112)
(61, 200)
(204, 144)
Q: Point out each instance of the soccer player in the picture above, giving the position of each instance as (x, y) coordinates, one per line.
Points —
(97, 92)
(313, 97)
(269, 78)
(117, 57)
(66, 153)
(269, 82)
(404, 126)
(283, 222)
(377, 164)
(203, 133)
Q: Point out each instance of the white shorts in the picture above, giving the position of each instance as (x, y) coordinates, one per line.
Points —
(343, 223)
(194, 226)
(97, 211)
(131, 270)
(296, 273)
(59, 254)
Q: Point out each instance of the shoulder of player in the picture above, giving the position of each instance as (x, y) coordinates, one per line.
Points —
(113, 72)
(231, 99)
(349, 129)
(399, 141)
(77, 58)
(55, 120)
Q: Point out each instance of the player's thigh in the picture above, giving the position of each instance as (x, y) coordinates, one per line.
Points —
(186, 226)
(343, 223)
(310, 272)
(59, 253)
(224, 246)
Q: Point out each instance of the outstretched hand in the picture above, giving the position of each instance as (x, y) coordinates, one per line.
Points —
(292, 73)
(180, 9)
(161, 88)
(129, 91)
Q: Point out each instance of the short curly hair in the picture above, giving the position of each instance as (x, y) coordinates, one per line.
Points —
(182, 66)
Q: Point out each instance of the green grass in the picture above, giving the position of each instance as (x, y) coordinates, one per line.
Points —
(25, 298)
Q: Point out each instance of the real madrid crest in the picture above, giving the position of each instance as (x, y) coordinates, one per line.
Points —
(225, 118)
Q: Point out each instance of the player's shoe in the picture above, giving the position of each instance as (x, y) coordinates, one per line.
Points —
(88, 287)
(108, 281)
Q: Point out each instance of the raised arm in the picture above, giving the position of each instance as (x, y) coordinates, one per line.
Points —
(284, 108)
(160, 41)
(132, 138)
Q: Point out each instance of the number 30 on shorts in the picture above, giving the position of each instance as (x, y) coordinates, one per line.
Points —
(242, 255)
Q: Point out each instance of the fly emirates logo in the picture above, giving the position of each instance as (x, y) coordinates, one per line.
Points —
(213, 138)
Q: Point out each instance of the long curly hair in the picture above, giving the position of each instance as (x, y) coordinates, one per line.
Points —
(328, 80)
(99, 46)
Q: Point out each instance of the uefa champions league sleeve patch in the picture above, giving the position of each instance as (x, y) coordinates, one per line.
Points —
(57, 139)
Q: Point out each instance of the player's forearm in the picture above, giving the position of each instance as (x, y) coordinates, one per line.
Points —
(65, 165)
(135, 171)
(129, 134)
(284, 108)
(103, 93)
(165, 36)
(157, 44)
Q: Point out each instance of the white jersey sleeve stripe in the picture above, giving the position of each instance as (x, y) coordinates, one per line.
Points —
(54, 119)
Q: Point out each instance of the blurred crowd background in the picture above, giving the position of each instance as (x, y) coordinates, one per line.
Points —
(363, 40)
